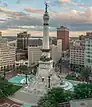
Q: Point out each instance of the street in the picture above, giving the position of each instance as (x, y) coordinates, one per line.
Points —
(63, 67)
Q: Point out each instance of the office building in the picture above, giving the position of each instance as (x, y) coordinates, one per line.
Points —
(22, 40)
(88, 50)
(77, 53)
(63, 33)
(22, 46)
(81, 50)
(56, 51)
(7, 55)
(34, 52)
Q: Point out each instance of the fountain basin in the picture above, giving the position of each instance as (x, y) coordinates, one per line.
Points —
(66, 85)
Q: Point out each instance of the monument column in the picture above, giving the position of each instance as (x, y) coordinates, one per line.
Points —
(46, 62)
(45, 46)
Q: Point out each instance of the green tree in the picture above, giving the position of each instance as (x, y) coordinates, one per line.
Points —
(77, 68)
(23, 68)
(85, 72)
(82, 91)
(2, 84)
(53, 97)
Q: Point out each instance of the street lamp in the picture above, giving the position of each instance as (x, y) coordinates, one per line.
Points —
(26, 78)
(4, 73)
(60, 67)
(49, 81)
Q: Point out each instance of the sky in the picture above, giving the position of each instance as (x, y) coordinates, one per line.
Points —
(27, 15)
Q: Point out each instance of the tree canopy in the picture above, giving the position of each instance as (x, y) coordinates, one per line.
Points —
(53, 97)
(56, 96)
(83, 91)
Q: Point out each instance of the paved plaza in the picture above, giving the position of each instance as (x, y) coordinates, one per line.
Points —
(24, 97)
(9, 103)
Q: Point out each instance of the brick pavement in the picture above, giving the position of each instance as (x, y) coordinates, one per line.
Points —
(9, 103)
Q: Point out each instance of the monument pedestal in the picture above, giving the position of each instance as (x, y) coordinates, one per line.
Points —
(47, 74)
(44, 70)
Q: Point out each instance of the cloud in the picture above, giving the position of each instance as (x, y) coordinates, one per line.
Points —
(64, 1)
(33, 10)
(17, 23)
(78, 4)
(74, 20)
(89, 13)
(10, 12)
(13, 32)
(67, 1)
(77, 33)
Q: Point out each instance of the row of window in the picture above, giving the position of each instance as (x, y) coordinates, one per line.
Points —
(77, 54)
(77, 63)
(89, 60)
(77, 60)
(76, 50)
(77, 57)
(89, 52)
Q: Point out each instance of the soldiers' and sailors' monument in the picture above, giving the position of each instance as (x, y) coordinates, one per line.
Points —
(46, 76)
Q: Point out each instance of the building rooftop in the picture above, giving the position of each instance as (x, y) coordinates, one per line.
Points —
(63, 27)
(2, 39)
(23, 34)
(76, 44)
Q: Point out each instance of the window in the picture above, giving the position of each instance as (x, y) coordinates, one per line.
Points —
(88, 48)
(88, 52)
(88, 60)
(88, 45)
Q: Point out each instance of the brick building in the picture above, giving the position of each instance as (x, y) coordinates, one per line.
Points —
(63, 33)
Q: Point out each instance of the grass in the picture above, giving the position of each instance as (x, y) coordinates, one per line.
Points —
(7, 89)
(70, 77)
(15, 88)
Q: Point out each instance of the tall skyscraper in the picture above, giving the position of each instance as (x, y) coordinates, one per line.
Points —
(22, 46)
(63, 33)
(22, 41)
